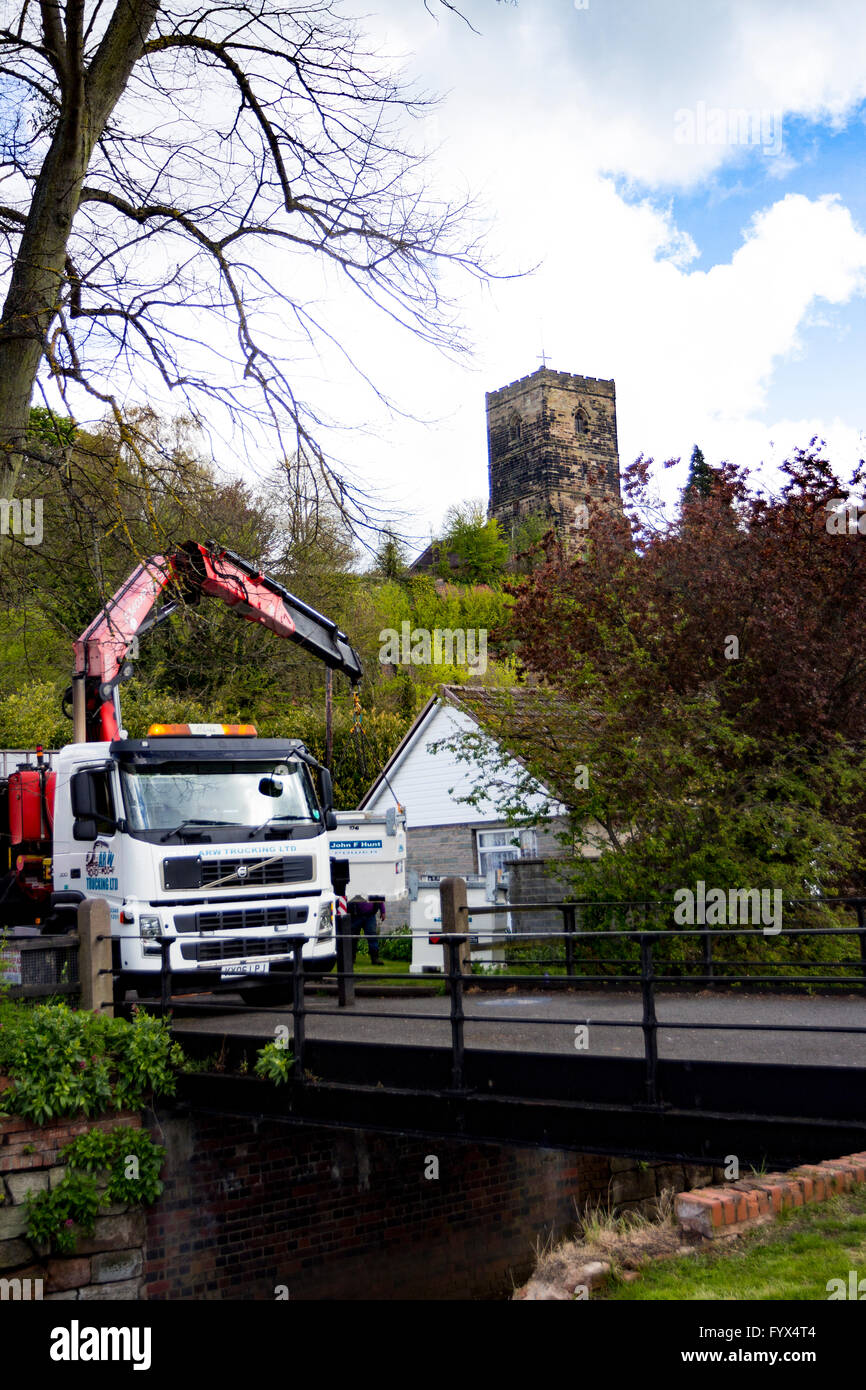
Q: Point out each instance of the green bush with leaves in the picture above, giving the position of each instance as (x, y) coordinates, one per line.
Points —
(58, 1217)
(128, 1158)
(274, 1063)
(120, 1165)
(66, 1062)
(397, 946)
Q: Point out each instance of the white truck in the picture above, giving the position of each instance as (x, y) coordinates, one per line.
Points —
(207, 834)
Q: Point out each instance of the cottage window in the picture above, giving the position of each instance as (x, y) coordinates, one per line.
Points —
(495, 849)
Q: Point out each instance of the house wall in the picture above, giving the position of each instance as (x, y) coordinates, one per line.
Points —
(429, 783)
(536, 881)
(451, 849)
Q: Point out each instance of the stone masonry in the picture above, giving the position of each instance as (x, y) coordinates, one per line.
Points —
(108, 1265)
(552, 445)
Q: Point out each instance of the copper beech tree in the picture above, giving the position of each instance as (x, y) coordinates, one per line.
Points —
(171, 171)
(698, 691)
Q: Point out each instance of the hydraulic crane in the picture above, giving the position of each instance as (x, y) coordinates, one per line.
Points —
(190, 572)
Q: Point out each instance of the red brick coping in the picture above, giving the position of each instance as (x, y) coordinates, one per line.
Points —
(721, 1211)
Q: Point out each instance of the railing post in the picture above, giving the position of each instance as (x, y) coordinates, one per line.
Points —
(298, 1007)
(455, 978)
(165, 945)
(454, 917)
(860, 906)
(345, 962)
(94, 956)
(568, 923)
(708, 954)
(649, 1021)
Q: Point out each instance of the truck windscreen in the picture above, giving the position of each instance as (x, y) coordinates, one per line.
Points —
(177, 796)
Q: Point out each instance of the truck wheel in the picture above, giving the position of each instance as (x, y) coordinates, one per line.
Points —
(140, 986)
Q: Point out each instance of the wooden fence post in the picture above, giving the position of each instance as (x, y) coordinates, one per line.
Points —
(452, 897)
(94, 956)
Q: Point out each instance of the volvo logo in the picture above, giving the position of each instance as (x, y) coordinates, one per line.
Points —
(242, 871)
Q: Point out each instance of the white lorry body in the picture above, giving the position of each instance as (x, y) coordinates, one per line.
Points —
(487, 931)
(231, 897)
(374, 844)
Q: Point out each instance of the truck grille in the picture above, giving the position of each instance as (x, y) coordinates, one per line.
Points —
(193, 872)
(238, 947)
(240, 919)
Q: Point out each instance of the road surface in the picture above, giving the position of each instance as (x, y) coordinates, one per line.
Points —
(538, 1022)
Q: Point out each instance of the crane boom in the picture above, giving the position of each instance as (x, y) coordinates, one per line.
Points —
(192, 571)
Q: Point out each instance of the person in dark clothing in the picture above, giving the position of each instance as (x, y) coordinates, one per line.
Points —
(363, 913)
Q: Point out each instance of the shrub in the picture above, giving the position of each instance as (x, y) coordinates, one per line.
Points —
(66, 1062)
(397, 946)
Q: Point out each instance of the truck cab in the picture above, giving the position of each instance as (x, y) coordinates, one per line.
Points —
(218, 839)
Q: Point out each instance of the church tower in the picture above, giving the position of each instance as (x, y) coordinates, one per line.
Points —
(551, 440)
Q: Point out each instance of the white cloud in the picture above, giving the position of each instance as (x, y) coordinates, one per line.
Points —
(539, 108)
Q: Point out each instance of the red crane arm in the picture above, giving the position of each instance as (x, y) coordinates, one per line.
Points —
(192, 571)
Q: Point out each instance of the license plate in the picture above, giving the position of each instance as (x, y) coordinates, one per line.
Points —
(252, 967)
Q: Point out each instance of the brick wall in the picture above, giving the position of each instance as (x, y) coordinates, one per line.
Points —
(441, 849)
(536, 881)
(250, 1207)
(450, 849)
(106, 1265)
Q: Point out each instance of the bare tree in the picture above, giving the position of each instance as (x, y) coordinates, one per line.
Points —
(168, 169)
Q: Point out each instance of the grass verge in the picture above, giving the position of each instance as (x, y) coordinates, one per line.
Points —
(795, 1257)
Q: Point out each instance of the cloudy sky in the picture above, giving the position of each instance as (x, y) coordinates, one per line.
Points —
(690, 179)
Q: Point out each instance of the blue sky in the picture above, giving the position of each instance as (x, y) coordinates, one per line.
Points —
(721, 285)
(820, 160)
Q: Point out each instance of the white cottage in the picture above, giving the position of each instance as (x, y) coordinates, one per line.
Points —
(444, 835)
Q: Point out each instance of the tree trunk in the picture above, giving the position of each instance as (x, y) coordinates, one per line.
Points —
(36, 286)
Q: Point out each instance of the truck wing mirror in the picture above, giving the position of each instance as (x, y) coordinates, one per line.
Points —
(330, 820)
(327, 789)
(83, 795)
(84, 828)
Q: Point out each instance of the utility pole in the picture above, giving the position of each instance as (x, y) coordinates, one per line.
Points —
(329, 716)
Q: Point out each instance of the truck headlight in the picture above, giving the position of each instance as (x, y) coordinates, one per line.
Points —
(149, 929)
(325, 925)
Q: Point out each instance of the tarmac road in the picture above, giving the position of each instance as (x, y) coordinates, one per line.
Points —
(537, 1022)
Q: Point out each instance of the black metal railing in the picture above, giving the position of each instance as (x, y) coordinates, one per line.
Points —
(646, 960)
(457, 980)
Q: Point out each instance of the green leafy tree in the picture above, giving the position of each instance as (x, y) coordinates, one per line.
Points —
(525, 549)
(391, 561)
(476, 543)
(701, 475)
